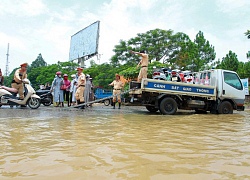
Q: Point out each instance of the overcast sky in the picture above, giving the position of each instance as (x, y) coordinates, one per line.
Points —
(46, 26)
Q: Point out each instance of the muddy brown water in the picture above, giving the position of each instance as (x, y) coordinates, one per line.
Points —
(102, 143)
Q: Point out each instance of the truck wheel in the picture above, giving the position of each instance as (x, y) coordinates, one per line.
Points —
(107, 102)
(225, 108)
(168, 106)
(152, 109)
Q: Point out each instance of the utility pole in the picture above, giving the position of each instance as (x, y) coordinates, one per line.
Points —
(7, 62)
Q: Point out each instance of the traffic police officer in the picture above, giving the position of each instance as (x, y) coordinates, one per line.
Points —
(118, 85)
(143, 63)
(17, 81)
(80, 86)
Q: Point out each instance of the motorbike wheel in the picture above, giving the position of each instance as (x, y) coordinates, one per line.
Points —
(34, 103)
(48, 103)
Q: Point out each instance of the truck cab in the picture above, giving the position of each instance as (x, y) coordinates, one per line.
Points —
(229, 87)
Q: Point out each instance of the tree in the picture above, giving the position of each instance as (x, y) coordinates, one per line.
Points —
(39, 62)
(182, 51)
(247, 34)
(163, 45)
(44, 74)
(230, 62)
(204, 52)
(244, 69)
(155, 42)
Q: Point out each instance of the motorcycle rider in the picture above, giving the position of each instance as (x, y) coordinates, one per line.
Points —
(17, 81)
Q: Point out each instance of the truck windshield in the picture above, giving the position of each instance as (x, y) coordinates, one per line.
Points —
(233, 80)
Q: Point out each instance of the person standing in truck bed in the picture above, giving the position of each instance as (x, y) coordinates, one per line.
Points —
(143, 63)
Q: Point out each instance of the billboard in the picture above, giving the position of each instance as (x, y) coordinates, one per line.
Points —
(85, 42)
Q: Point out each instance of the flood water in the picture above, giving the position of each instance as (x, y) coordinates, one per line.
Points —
(130, 143)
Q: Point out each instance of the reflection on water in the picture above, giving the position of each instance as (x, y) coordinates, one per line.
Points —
(126, 146)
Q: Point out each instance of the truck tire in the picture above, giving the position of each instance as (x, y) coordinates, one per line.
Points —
(225, 108)
(107, 102)
(168, 106)
(152, 109)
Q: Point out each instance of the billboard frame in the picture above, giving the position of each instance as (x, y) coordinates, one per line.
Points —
(88, 56)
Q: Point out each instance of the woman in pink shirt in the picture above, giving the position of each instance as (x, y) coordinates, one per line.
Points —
(66, 82)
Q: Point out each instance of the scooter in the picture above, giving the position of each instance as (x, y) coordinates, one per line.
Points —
(175, 77)
(46, 97)
(8, 96)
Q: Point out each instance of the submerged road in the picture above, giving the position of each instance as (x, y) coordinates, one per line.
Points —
(130, 143)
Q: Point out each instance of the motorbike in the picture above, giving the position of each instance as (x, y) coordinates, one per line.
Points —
(175, 76)
(46, 96)
(8, 96)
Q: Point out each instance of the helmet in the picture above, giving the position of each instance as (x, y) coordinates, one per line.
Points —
(58, 73)
(65, 75)
(87, 76)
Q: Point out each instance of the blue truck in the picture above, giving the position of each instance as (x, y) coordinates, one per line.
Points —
(223, 94)
(101, 94)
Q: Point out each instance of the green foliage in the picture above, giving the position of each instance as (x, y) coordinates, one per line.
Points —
(39, 62)
(183, 51)
(230, 62)
(244, 69)
(204, 52)
(102, 74)
(247, 34)
(132, 72)
(44, 74)
(163, 45)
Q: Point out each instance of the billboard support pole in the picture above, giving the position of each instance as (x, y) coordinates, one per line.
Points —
(81, 62)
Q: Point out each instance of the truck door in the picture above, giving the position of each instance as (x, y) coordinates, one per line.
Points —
(232, 87)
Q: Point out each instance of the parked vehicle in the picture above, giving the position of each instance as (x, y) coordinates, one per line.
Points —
(101, 93)
(8, 96)
(160, 74)
(46, 96)
(176, 76)
(222, 94)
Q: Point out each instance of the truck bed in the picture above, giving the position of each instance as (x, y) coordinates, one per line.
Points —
(179, 88)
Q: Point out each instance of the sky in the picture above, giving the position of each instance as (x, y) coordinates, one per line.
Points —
(46, 26)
